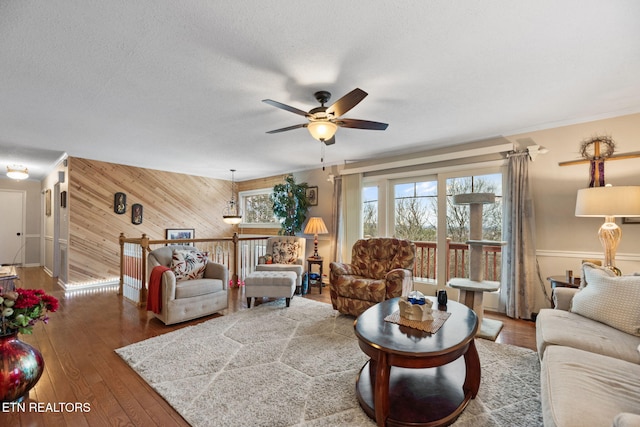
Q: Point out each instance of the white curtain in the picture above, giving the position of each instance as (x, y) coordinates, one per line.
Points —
(519, 267)
(336, 218)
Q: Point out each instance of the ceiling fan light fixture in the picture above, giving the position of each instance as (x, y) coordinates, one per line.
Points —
(17, 172)
(322, 130)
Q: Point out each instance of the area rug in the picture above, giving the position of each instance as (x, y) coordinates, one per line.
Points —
(296, 366)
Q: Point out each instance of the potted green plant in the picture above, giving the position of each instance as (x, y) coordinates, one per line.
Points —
(290, 205)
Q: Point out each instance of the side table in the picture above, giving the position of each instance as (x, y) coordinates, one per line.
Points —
(562, 282)
(311, 261)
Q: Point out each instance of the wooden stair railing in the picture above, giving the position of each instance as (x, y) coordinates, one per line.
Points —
(239, 254)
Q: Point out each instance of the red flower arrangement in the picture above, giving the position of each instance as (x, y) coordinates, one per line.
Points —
(21, 309)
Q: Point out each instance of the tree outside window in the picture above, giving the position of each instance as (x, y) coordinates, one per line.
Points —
(258, 208)
(370, 211)
(458, 215)
(458, 222)
(416, 212)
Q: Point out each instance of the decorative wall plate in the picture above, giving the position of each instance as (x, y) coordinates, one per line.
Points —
(120, 203)
(136, 213)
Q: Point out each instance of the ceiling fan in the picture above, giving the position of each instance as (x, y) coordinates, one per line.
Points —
(324, 121)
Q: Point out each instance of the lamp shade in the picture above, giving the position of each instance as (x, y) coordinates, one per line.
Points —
(322, 130)
(608, 201)
(316, 226)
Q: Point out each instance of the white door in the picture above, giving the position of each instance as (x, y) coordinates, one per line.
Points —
(11, 232)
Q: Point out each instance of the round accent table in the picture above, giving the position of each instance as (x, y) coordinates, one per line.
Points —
(415, 378)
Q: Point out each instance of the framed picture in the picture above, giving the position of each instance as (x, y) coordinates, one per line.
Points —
(630, 220)
(136, 213)
(312, 196)
(120, 203)
(180, 233)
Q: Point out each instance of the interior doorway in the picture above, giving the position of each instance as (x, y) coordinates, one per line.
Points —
(12, 227)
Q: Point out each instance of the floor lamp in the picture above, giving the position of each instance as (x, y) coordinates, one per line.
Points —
(609, 202)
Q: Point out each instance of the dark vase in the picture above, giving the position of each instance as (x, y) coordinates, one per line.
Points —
(442, 297)
(20, 368)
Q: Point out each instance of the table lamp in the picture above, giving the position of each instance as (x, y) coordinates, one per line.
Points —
(609, 202)
(315, 226)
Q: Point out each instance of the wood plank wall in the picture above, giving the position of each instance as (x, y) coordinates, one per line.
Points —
(169, 200)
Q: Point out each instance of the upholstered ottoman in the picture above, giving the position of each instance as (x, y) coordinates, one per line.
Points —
(273, 284)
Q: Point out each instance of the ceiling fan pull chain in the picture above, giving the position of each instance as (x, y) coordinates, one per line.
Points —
(322, 154)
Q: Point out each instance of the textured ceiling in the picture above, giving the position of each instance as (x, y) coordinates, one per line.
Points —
(177, 85)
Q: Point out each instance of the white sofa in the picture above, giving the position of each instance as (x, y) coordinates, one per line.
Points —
(589, 348)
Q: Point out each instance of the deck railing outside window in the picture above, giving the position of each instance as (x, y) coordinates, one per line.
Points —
(457, 261)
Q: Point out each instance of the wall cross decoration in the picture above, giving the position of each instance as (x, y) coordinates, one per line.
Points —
(596, 151)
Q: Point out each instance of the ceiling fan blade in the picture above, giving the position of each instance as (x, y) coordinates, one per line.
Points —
(347, 102)
(285, 107)
(361, 124)
(303, 125)
(330, 141)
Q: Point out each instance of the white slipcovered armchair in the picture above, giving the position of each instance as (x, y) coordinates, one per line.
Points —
(187, 298)
(284, 253)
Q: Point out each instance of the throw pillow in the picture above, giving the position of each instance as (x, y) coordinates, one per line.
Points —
(588, 264)
(188, 264)
(285, 252)
(611, 300)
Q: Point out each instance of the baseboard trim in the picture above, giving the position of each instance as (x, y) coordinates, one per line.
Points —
(90, 285)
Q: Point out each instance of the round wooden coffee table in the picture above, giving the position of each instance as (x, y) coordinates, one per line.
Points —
(416, 378)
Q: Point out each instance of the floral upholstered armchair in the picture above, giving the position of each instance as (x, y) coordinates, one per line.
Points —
(284, 253)
(380, 269)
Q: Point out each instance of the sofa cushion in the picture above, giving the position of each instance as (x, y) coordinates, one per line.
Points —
(361, 288)
(579, 388)
(296, 268)
(188, 264)
(197, 287)
(285, 252)
(626, 419)
(559, 327)
(611, 300)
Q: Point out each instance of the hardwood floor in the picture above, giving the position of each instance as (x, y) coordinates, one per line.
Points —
(82, 369)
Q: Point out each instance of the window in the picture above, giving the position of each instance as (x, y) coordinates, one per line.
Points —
(416, 210)
(421, 209)
(458, 221)
(458, 215)
(370, 211)
(257, 208)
